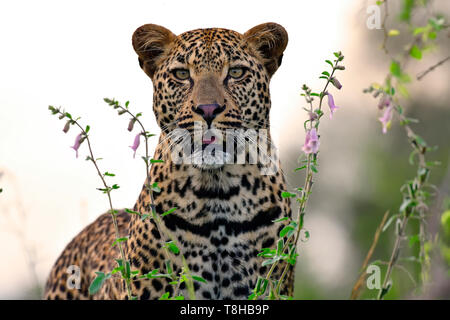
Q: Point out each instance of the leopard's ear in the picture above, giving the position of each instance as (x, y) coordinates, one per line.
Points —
(269, 40)
(151, 42)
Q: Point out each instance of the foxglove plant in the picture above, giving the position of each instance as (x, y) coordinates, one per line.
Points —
(124, 266)
(414, 191)
(123, 263)
(287, 245)
(172, 246)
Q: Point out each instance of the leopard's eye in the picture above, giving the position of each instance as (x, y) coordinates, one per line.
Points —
(181, 74)
(236, 72)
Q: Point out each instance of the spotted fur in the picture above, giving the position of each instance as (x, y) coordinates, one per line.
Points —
(225, 213)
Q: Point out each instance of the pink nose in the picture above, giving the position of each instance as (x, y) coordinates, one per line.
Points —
(209, 111)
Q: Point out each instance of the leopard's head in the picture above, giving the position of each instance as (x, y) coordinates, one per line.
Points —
(213, 79)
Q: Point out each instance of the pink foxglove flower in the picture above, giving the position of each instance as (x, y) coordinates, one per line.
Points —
(386, 118)
(77, 144)
(311, 142)
(312, 115)
(385, 101)
(331, 104)
(136, 143)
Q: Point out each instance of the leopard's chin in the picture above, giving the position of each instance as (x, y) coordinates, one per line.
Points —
(208, 161)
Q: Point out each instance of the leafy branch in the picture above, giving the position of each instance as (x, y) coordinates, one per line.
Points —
(288, 242)
(172, 246)
(83, 136)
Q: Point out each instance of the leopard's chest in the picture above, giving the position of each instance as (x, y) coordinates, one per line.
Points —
(223, 248)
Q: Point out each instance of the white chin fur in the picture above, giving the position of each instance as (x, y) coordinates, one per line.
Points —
(209, 162)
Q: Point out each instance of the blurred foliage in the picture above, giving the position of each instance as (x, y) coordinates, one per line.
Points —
(385, 160)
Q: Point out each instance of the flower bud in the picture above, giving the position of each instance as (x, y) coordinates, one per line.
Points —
(66, 127)
(336, 83)
(312, 115)
(385, 101)
(131, 124)
(340, 67)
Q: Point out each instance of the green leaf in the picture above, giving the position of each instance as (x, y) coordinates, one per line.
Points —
(280, 245)
(119, 240)
(330, 63)
(126, 104)
(314, 169)
(420, 140)
(87, 128)
(326, 73)
(97, 283)
(407, 7)
(155, 187)
(413, 239)
(285, 230)
(445, 222)
(156, 161)
(169, 269)
(436, 23)
(281, 219)
(286, 194)
(307, 236)
(132, 212)
(115, 186)
(109, 174)
(165, 296)
(406, 203)
(169, 212)
(117, 269)
(415, 52)
(172, 247)
(302, 216)
(199, 279)
(395, 69)
(269, 261)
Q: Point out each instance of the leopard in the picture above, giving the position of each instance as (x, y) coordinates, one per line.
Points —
(217, 79)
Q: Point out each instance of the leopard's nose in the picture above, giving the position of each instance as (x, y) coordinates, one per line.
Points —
(209, 111)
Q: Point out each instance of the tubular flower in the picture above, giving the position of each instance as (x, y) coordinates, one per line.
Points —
(312, 115)
(311, 142)
(386, 118)
(385, 101)
(78, 141)
(136, 143)
(331, 104)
